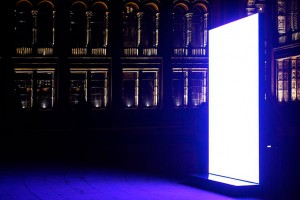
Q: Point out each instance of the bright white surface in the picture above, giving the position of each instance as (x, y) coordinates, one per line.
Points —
(234, 100)
(229, 180)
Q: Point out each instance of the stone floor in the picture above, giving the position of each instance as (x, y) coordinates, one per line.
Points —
(53, 182)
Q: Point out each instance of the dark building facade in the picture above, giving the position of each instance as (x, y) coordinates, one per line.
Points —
(90, 79)
(83, 70)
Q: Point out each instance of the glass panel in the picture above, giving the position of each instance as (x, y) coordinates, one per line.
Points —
(179, 27)
(45, 25)
(130, 89)
(23, 25)
(149, 89)
(197, 36)
(78, 26)
(98, 26)
(148, 28)
(23, 89)
(177, 90)
(298, 78)
(280, 81)
(197, 87)
(130, 26)
(98, 86)
(45, 90)
(286, 67)
(185, 87)
(189, 87)
(77, 83)
(293, 80)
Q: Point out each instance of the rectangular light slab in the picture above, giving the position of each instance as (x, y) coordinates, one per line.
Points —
(234, 100)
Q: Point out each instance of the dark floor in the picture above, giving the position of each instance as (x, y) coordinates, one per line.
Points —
(57, 182)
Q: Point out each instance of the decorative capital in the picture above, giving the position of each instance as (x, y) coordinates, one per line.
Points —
(34, 12)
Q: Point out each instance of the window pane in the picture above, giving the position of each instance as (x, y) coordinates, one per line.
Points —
(130, 23)
(199, 28)
(45, 25)
(78, 26)
(45, 90)
(197, 87)
(23, 89)
(77, 83)
(23, 25)
(189, 87)
(148, 28)
(298, 78)
(130, 89)
(148, 88)
(98, 86)
(177, 90)
(179, 27)
(180, 87)
(98, 27)
(286, 67)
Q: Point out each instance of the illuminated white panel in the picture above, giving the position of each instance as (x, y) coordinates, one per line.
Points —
(234, 100)
(230, 181)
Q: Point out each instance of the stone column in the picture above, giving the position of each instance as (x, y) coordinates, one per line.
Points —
(34, 26)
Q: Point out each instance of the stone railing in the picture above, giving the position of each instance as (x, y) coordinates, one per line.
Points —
(199, 51)
(23, 51)
(45, 51)
(296, 36)
(99, 51)
(131, 51)
(79, 51)
(181, 51)
(150, 52)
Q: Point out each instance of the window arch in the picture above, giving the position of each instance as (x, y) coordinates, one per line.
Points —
(45, 25)
(179, 26)
(150, 26)
(294, 19)
(199, 30)
(250, 7)
(288, 21)
(78, 25)
(281, 21)
(130, 25)
(23, 26)
(99, 25)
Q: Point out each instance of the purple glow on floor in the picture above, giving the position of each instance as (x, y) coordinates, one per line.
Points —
(95, 184)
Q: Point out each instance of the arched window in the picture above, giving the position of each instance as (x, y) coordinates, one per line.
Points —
(98, 28)
(98, 25)
(294, 19)
(288, 21)
(179, 27)
(180, 37)
(149, 27)
(199, 28)
(45, 23)
(78, 25)
(23, 25)
(281, 21)
(130, 25)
